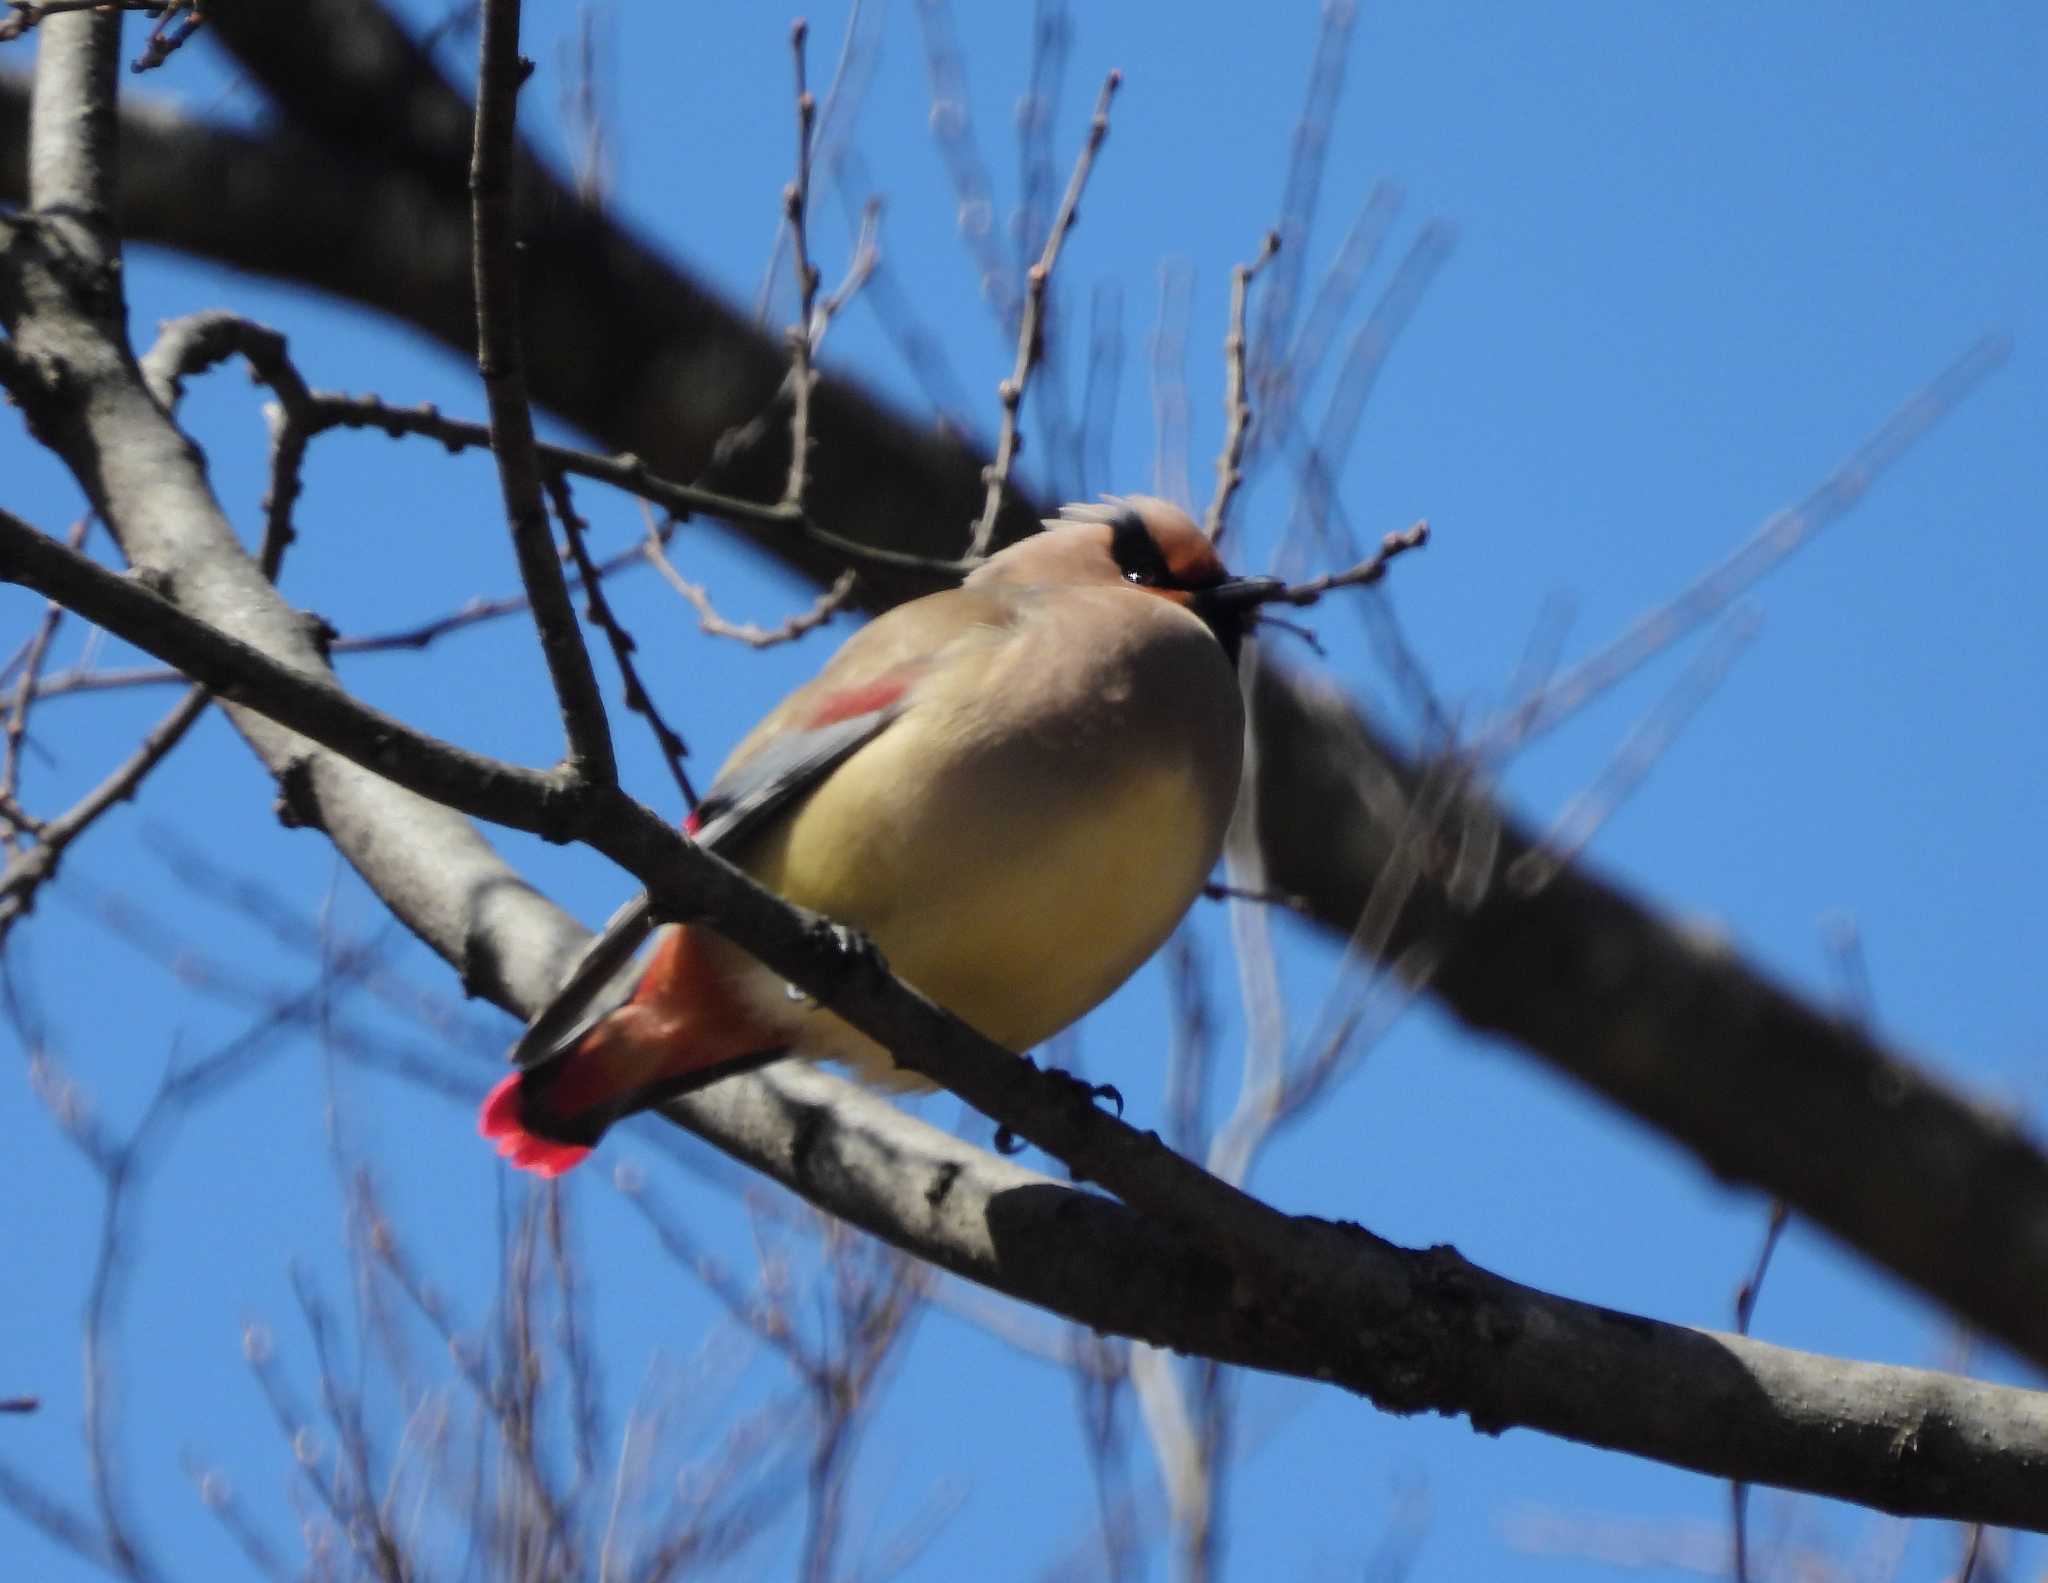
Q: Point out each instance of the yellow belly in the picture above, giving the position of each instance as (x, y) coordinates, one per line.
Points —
(1018, 909)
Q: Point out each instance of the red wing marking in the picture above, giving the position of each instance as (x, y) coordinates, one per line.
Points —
(862, 700)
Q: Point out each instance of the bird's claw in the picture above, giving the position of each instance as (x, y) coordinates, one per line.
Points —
(1006, 1141)
(1090, 1092)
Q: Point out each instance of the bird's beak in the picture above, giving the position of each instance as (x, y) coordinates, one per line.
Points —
(1235, 596)
(1229, 606)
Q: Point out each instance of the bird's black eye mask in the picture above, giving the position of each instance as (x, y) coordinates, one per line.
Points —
(1137, 553)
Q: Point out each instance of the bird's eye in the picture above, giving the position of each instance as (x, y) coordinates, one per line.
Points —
(1137, 554)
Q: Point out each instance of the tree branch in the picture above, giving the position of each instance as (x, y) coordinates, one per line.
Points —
(1031, 327)
(28, 871)
(501, 360)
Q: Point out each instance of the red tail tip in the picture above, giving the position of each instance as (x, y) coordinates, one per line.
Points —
(499, 1121)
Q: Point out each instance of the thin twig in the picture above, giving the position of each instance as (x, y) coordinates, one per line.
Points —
(418, 636)
(1753, 1283)
(1269, 898)
(217, 1495)
(513, 1419)
(1100, 387)
(1171, 413)
(1843, 941)
(625, 472)
(860, 269)
(1237, 407)
(501, 71)
(1745, 1307)
(922, 351)
(1030, 347)
(973, 193)
(796, 201)
(1037, 113)
(1301, 193)
(29, 870)
(1365, 357)
(1646, 742)
(1363, 575)
(838, 112)
(190, 346)
(164, 40)
(28, 13)
(820, 610)
(638, 700)
(1283, 383)
(1778, 537)
(1973, 1549)
(15, 733)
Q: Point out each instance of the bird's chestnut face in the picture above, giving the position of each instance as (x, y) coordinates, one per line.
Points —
(1171, 557)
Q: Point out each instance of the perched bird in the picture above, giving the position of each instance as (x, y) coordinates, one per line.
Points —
(1015, 788)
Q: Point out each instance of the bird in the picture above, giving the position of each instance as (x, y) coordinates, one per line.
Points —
(1014, 788)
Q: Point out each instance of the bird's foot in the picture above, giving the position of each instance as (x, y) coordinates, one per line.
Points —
(1087, 1092)
(1079, 1089)
(852, 952)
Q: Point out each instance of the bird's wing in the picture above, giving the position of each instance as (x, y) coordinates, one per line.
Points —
(864, 687)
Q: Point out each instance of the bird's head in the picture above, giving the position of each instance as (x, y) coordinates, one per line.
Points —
(1144, 543)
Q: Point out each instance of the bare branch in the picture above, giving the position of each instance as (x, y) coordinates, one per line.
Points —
(1237, 408)
(1647, 742)
(420, 635)
(796, 203)
(1099, 390)
(860, 269)
(1745, 1306)
(1367, 572)
(15, 733)
(952, 128)
(1285, 382)
(501, 361)
(1301, 193)
(29, 870)
(1030, 332)
(821, 610)
(192, 345)
(1171, 414)
(312, 705)
(27, 13)
(1365, 357)
(165, 40)
(1779, 536)
(638, 700)
(624, 472)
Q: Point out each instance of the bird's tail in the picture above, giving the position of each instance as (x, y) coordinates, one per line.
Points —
(682, 1028)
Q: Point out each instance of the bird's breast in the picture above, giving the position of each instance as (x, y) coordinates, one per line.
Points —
(1025, 836)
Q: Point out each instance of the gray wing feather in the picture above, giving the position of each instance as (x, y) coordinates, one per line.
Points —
(605, 976)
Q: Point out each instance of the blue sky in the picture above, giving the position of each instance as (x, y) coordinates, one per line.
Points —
(1701, 252)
